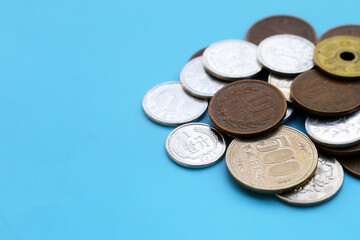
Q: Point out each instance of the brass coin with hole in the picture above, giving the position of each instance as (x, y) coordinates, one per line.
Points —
(339, 56)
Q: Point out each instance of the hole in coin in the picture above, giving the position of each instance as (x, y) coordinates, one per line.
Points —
(347, 56)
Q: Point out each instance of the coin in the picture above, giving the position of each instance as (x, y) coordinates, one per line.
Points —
(231, 59)
(321, 95)
(286, 54)
(351, 164)
(197, 82)
(339, 56)
(168, 104)
(197, 54)
(280, 24)
(195, 145)
(289, 112)
(344, 30)
(247, 108)
(326, 182)
(340, 152)
(335, 132)
(274, 162)
(282, 83)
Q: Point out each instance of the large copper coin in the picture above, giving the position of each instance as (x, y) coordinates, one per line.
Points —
(321, 95)
(351, 164)
(345, 30)
(274, 162)
(197, 54)
(340, 152)
(339, 56)
(247, 108)
(280, 24)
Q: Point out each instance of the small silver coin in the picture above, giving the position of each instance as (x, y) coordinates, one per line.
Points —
(197, 82)
(231, 59)
(195, 145)
(286, 54)
(282, 83)
(289, 112)
(326, 182)
(335, 132)
(168, 104)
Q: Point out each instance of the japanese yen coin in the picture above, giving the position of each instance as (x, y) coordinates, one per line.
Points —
(195, 145)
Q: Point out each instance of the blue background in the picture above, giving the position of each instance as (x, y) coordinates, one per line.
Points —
(80, 160)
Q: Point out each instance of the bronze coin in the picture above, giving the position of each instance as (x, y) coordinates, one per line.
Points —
(345, 30)
(197, 54)
(321, 95)
(247, 108)
(280, 24)
(340, 152)
(351, 164)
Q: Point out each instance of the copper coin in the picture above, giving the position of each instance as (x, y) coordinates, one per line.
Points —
(340, 152)
(345, 30)
(197, 54)
(280, 24)
(351, 164)
(321, 95)
(247, 108)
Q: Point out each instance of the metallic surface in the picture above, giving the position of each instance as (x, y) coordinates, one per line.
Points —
(280, 24)
(351, 164)
(282, 83)
(195, 145)
(321, 95)
(198, 54)
(168, 104)
(289, 112)
(274, 162)
(326, 182)
(247, 108)
(340, 152)
(231, 59)
(197, 82)
(339, 56)
(344, 30)
(286, 54)
(335, 132)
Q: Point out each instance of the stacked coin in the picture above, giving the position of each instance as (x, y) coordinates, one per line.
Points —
(264, 155)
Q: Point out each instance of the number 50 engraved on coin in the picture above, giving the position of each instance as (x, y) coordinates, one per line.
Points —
(274, 162)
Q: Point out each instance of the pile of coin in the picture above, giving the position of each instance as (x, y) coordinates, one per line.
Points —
(254, 85)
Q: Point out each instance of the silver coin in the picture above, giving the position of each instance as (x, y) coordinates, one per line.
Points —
(335, 132)
(231, 59)
(326, 182)
(289, 112)
(282, 83)
(168, 104)
(286, 54)
(195, 145)
(197, 82)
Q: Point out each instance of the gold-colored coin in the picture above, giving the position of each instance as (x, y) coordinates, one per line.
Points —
(339, 56)
(274, 162)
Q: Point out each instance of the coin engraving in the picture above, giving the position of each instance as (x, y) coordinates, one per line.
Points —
(326, 182)
(273, 162)
(231, 59)
(168, 104)
(325, 96)
(247, 107)
(195, 145)
(282, 83)
(286, 54)
(335, 132)
(339, 56)
(197, 81)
